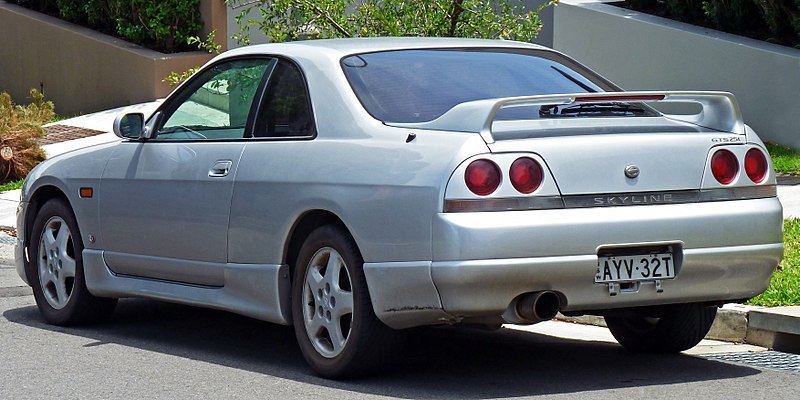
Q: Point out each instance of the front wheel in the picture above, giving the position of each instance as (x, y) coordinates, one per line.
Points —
(337, 331)
(663, 329)
(56, 265)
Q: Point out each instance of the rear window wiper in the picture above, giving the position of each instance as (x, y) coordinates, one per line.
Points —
(601, 109)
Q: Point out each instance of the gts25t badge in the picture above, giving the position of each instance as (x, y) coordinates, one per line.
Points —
(734, 139)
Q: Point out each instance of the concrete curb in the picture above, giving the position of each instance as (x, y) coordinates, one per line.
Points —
(775, 328)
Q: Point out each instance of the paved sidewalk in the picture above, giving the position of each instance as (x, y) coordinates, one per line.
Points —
(790, 198)
(8, 209)
(777, 327)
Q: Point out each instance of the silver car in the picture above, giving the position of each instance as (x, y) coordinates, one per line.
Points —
(356, 188)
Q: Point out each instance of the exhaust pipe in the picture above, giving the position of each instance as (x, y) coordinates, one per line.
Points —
(539, 306)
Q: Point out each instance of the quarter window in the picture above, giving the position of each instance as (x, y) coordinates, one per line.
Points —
(217, 103)
(286, 110)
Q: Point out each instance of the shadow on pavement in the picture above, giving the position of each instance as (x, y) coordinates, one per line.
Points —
(435, 363)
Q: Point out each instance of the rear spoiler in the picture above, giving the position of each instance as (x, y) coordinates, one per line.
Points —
(720, 110)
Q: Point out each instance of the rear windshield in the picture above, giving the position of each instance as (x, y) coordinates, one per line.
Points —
(421, 85)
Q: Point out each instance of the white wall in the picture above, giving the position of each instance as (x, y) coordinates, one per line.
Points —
(639, 51)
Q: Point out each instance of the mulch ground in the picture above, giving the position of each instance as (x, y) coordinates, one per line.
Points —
(62, 133)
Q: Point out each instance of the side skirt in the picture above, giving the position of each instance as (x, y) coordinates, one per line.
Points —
(259, 291)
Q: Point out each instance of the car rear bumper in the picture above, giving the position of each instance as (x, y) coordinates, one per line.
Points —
(484, 261)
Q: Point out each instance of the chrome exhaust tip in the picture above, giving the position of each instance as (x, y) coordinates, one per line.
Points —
(538, 306)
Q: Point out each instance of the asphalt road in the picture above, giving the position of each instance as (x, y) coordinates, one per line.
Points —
(157, 350)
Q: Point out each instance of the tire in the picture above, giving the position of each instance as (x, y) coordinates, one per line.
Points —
(56, 266)
(664, 329)
(336, 328)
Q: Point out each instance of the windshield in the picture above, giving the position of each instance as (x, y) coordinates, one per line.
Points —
(421, 85)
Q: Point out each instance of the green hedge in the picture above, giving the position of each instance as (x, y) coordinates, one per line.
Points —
(163, 25)
(776, 21)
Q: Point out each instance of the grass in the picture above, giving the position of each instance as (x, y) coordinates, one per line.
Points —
(785, 159)
(59, 117)
(13, 185)
(784, 288)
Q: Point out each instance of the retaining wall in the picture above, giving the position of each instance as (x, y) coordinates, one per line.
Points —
(79, 69)
(639, 51)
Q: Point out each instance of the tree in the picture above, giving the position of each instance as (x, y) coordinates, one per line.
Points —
(284, 20)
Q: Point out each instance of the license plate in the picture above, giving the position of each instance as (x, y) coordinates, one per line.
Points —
(631, 268)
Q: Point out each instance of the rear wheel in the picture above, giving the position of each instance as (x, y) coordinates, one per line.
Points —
(56, 265)
(664, 329)
(337, 331)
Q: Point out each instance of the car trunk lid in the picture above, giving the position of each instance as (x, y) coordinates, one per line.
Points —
(615, 155)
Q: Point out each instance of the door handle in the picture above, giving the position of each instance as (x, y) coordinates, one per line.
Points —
(220, 168)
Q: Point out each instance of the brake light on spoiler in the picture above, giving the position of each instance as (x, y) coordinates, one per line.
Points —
(599, 99)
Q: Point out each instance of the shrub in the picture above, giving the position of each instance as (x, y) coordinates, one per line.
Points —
(72, 10)
(782, 16)
(771, 20)
(643, 4)
(776, 15)
(167, 23)
(730, 15)
(20, 126)
(796, 23)
(161, 25)
(686, 10)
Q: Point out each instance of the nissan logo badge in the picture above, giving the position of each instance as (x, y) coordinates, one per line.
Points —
(631, 171)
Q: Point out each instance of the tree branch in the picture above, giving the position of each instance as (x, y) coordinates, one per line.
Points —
(327, 17)
(454, 16)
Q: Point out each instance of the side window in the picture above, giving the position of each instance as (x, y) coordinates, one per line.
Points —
(286, 110)
(216, 104)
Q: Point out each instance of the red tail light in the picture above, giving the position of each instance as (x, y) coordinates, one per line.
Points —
(755, 165)
(482, 177)
(526, 175)
(724, 166)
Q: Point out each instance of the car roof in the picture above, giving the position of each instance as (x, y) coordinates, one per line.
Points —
(343, 47)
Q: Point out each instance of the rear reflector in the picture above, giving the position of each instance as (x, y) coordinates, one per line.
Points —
(504, 204)
(739, 193)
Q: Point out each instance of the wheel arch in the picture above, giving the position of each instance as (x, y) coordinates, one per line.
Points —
(37, 199)
(303, 226)
(42, 195)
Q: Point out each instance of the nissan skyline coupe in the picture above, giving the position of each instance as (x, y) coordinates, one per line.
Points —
(356, 188)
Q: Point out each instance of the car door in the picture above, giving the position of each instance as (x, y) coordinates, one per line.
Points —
(275, 167)
(165, 202)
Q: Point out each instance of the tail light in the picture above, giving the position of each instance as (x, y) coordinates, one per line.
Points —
(482, 177)
(526, 175)
(724, 166)
(755, 165)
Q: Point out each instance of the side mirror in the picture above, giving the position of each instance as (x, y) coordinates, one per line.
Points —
(129, 126)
